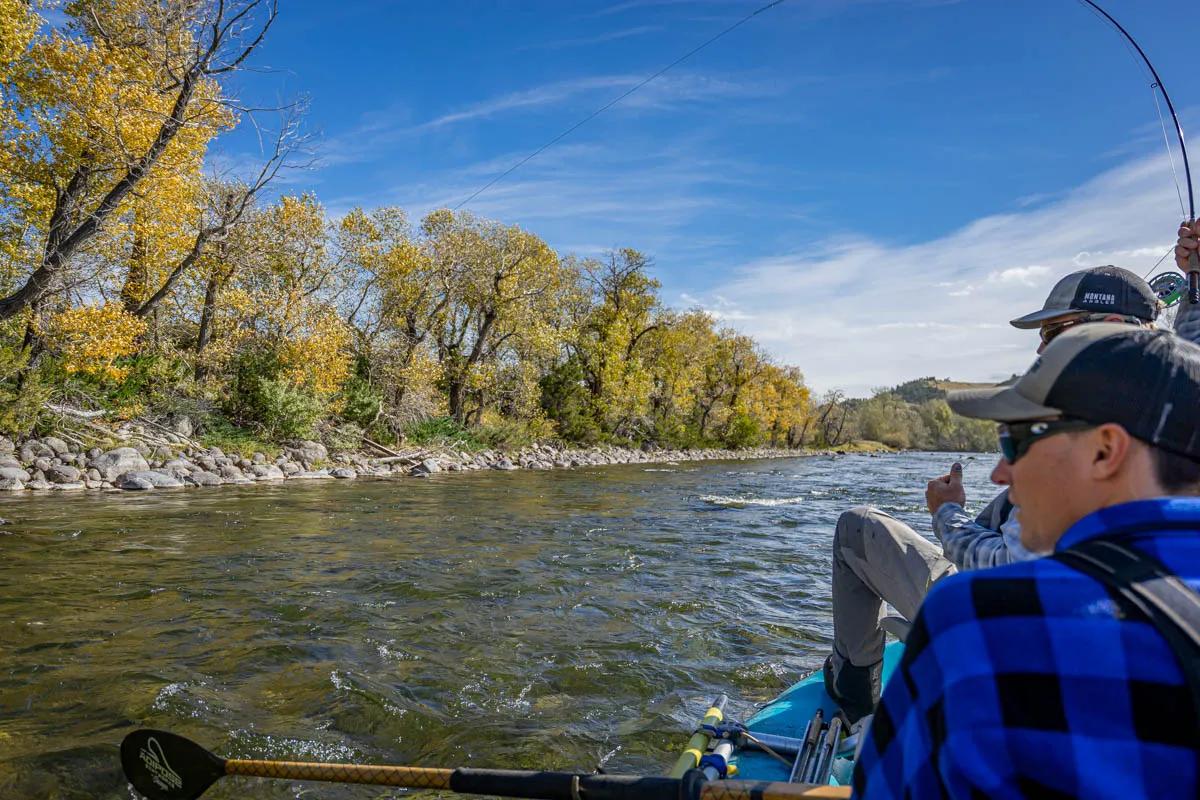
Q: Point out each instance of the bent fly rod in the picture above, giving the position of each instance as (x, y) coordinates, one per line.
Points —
(1193, 271)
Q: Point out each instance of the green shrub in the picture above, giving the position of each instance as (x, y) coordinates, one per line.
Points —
(23, 391)
(346, 436)
(743, 431)
(566, 402)
(362, 403)
(442, 431)
(285, 411)
(258, 395)
(220, 432)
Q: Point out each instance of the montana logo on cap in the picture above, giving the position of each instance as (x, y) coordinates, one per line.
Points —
(1100, 297)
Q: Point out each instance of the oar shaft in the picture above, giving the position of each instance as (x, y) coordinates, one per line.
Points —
(524, 783)
(374, 774)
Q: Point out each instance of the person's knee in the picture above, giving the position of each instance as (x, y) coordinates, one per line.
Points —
(851, 526)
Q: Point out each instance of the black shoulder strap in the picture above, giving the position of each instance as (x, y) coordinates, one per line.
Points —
(1169, 604)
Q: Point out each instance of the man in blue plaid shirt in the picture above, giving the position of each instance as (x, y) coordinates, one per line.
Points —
(1029, 679)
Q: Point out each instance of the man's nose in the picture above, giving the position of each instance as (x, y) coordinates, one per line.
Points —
(1002, 473)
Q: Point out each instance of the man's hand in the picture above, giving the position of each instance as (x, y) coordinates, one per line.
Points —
(946, 489)
(1188, 245)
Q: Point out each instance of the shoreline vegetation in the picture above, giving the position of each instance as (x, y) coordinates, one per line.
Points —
(143, 287)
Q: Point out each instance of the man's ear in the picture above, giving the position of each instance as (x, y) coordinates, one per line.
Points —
(1111, 449)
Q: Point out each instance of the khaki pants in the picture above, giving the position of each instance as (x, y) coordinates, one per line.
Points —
(877, 558)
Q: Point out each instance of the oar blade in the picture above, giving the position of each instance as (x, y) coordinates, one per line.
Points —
(165, 766)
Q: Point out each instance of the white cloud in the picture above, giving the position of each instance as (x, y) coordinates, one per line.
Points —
(858, 313)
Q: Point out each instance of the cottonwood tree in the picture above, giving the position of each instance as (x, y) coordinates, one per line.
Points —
(127, 94)
(500, 287)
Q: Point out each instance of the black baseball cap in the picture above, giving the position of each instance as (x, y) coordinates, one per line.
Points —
(1099, 290)
(1146, 381)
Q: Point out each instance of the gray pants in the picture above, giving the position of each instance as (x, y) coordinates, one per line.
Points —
(877, 558)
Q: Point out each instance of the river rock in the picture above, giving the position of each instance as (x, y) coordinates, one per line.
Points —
(289, 467)
(42, 464)
(6, 445)
(183, 426)
(427, 467)
(202, 478)
(63, 474)
(39, 484)
(142, 449)
(310, 475)
(14, 473)
(71, 486)
(132, 482)
(266, 472)
(310, 452)
(11, 485)
(157, 480)
(178, 467)
(345, 473)
(57, 445)
(33, 450)
(216, 452)
(119, 461)
(230, 473)
(9, 461)
(504, 464)
(259, 458)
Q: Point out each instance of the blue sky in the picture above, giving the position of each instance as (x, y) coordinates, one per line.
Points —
(869, 187)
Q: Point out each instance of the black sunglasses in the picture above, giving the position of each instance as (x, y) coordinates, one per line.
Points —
(1052, 331)
(1017, 437)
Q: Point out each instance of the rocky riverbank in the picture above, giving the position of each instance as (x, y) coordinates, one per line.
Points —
(142, 459)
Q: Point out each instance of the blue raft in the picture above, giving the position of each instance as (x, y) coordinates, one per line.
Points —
(788, 715)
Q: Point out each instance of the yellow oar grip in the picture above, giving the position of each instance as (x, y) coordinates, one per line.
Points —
(377, 775)
(696, 745)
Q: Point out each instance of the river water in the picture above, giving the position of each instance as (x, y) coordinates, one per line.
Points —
(558, 620)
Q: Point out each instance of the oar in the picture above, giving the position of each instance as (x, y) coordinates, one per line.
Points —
(164, 766)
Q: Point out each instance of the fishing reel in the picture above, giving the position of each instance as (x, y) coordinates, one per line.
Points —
(1169, 287)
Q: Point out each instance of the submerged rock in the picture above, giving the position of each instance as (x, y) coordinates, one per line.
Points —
(138, 479)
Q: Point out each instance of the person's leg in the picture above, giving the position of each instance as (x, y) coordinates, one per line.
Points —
(876, 558)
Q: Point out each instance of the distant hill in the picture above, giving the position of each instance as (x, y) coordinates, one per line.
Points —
(922, 389)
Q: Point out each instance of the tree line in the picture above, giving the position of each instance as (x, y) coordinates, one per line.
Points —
(137, 278)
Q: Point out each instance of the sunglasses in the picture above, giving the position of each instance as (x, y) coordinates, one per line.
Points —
(1052, 331)
(1017, 437)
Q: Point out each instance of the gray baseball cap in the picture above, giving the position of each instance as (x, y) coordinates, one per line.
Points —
(1147, 381)
(1099, 290)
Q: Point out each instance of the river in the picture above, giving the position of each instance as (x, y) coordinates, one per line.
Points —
(558, 620)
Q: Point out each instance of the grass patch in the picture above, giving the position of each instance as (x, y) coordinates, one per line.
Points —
(220, 432)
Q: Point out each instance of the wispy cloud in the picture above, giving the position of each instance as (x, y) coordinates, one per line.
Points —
(381, 129)
(857, 312)
(600, 38)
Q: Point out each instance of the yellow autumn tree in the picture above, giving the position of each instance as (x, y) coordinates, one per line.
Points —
(122, 98)
(91, 339)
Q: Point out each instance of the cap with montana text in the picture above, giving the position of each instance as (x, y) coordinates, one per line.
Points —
(1099, 290)
(1146, 381)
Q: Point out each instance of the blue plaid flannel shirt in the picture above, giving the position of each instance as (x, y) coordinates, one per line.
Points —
(1023, 680)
